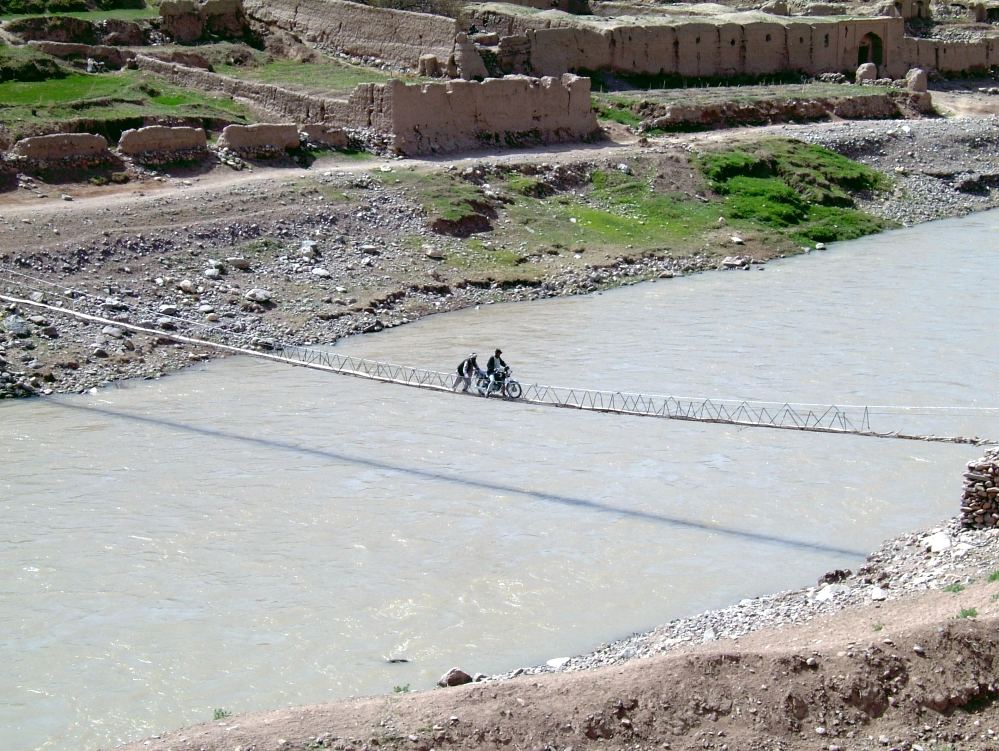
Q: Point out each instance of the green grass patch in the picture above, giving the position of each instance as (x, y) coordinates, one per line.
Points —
(968, 613)
(441, 195)
(954, 588)
(787, 185)
(615, 111)
(328, 77)
(34, 107)
(121, 14)
(994, 576)
(27, 64)
(525, 185)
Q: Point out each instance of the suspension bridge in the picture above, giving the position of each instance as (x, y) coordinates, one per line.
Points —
(31, 292)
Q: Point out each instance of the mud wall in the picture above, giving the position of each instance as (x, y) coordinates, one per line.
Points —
(552, 43)
(951, 57)
(162, 139)
(261, 139)
(881, 106)
(396, 36)
(60, 147)
(460, 115)
(285, 103)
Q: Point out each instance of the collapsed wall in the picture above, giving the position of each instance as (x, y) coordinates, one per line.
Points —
(294, 105)
(160, 144)
(188, 20)
(261, 140)
(395, 36)
(980, 500)
(880, 105)
(951, 56)
(460, 115)
(61, 150)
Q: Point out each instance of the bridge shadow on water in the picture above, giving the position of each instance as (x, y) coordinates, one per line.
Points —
(495, 487)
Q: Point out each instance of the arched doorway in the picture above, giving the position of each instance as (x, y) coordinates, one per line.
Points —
(870, 50)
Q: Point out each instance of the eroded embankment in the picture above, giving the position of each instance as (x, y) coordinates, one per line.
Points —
(915, 670)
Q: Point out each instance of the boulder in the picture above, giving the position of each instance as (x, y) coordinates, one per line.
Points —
(17, 326)
(867, 72)
(916, 80)
(937, 543)
(454, 677)
(258, 295)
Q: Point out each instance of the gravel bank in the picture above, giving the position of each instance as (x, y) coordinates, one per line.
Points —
(941, 167)
(947, 556)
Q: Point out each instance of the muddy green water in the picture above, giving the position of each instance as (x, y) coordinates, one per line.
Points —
(248, 536)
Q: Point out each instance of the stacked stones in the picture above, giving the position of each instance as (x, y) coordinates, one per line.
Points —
(980, 503)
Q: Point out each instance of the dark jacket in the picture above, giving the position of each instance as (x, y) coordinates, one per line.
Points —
(468, 366)
(494, 362)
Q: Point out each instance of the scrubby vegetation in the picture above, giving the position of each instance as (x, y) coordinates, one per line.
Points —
(790, 185)
(777, 194)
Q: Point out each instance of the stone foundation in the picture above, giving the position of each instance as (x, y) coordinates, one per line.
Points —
(980, 502)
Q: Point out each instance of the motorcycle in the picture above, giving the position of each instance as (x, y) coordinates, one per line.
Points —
(501, 382)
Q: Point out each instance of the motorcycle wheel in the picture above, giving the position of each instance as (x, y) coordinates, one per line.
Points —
(513, 389)
(482, 386)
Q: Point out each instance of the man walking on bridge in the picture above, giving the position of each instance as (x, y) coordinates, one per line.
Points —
(466, 369)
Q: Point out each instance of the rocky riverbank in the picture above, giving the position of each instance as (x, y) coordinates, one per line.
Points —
(324, 254)
(898, 656)
(949, 557)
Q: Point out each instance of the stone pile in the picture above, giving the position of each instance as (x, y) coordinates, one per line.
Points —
(980, 502)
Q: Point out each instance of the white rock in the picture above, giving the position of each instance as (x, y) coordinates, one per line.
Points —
(186, 286)
(937, 543)
(820, 246)
(829, 591)
(557, 662)
(258, 295)
(877, 593)
(321, 272)
(709, 634)
(737, 240)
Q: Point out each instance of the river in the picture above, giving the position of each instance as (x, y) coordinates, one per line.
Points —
(246, 535)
